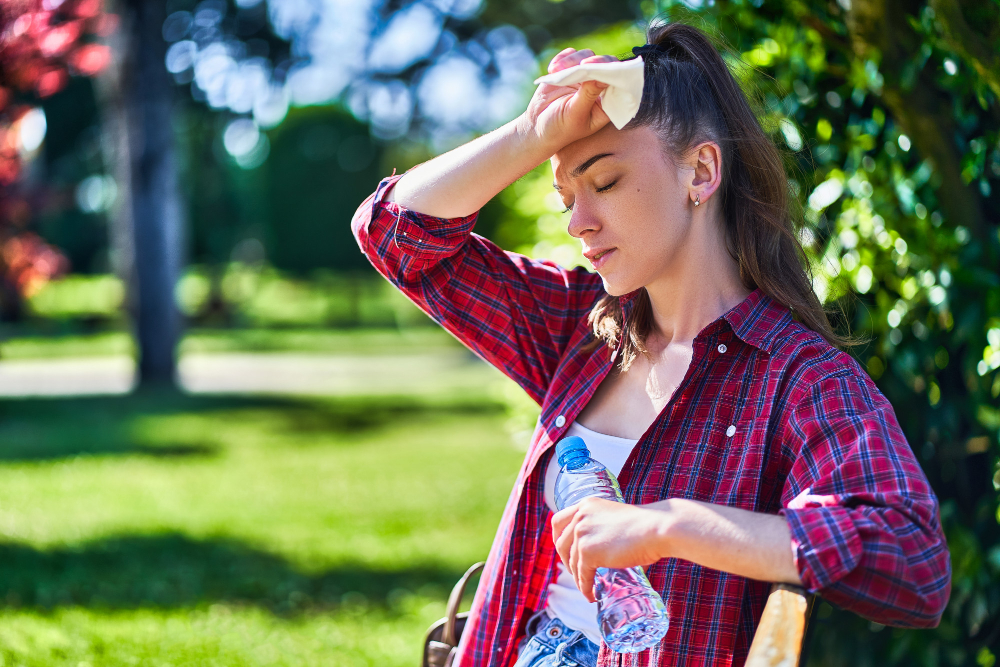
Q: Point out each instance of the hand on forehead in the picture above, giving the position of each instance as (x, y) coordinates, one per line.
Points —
(623, 81)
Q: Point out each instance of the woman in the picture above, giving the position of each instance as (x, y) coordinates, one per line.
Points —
(749, 448)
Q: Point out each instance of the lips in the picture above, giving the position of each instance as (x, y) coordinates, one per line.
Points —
(598, 256)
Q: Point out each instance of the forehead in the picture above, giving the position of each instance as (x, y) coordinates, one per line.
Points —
(639, 144)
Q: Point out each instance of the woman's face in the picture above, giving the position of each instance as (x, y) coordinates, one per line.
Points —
(631, 208)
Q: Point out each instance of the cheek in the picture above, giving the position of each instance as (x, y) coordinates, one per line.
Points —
(649, 227)
(650, 238)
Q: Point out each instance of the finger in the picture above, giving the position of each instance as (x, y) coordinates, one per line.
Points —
(590, 99)
(593, 89)
(571, 544)
(553, 93)
(564, 544)
(583, 582)
(570, 60)
(588, 96)
(561, 519)
(598, 59)
(562, 54)
(577, 556)
(599, 118)
(574, 557)
(589, 578)
(556, 63)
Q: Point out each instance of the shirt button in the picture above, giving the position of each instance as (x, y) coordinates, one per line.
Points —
(722, 348)
(560, 421)
(731, 431)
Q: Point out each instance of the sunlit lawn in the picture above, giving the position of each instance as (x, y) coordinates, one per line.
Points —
(166, 529)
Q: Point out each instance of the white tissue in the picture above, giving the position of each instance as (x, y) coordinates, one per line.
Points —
(620, 100)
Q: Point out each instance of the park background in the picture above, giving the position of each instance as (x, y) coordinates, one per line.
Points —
(224, 440)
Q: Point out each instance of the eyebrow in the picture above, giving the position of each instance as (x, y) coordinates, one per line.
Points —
(585, 166)
(589, 163)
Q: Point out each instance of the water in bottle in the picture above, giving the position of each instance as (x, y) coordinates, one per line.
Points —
(630, 614)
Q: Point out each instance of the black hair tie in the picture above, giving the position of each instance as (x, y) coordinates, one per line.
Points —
(646, 49)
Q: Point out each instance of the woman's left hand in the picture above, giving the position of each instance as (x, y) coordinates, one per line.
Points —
(603, 533)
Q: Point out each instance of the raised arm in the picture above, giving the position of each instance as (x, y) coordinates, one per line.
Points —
(460, 182)
(416, 230)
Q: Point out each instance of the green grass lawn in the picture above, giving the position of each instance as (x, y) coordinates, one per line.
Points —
(163, 529)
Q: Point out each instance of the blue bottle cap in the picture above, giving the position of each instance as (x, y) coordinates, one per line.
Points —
(571, 448)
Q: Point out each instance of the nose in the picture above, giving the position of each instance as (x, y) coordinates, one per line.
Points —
(581, 222)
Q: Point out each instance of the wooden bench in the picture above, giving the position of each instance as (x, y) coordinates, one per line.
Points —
(781, 634)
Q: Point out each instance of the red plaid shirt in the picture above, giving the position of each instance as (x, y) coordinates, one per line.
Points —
(769, 418)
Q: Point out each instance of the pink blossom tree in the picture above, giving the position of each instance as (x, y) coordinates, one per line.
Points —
(42, 44)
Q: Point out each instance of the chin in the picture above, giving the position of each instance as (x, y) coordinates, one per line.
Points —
(616, 286)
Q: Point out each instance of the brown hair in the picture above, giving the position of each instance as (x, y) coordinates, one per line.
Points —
(690, 96)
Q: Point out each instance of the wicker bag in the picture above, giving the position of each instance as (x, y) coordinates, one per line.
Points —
(442, 638)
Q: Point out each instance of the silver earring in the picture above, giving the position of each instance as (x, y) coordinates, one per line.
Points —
(697, 201)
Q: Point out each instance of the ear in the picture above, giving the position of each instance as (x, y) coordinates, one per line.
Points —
(706, 160)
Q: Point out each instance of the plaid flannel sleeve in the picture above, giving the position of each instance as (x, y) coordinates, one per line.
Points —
(516, 313)
(865, 524)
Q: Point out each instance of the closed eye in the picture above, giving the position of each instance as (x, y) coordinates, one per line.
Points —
(602, 189)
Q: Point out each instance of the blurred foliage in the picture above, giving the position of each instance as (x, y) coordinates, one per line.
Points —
(294, 208)
(261, 296)
(41, 45)
(79, 296)
(240, 295)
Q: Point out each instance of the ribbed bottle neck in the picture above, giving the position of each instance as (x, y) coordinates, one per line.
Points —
(574, 461)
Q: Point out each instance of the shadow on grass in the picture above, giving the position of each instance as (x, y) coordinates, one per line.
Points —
(16, 449)
(174, 571)
(54, 428)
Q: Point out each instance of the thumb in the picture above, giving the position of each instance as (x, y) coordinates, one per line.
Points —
(592, 89)
(589, 103)
(586, 96)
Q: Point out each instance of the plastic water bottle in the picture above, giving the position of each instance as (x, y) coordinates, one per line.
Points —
(630, 614)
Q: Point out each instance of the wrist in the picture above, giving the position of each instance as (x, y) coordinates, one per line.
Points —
(666, 526)
(524, 133)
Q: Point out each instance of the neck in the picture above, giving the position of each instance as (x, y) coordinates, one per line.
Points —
(702, 285)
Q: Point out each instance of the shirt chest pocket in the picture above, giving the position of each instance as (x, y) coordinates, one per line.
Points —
(713, 456)
(707, 453)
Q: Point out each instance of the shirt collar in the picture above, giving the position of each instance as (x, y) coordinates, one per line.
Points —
(758, 319)
(625, 299)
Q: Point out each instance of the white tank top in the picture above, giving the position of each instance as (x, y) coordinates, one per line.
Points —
(565, 600)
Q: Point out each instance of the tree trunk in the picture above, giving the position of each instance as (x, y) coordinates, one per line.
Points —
(147, 221)
(880, 29)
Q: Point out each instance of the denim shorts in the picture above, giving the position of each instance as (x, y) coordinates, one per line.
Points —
(551, 644)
